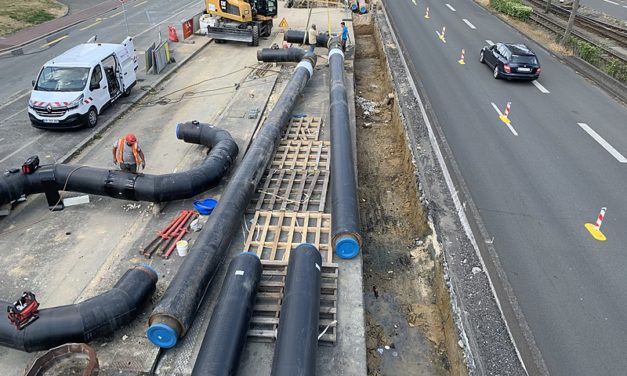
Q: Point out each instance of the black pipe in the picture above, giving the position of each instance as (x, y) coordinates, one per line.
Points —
(281, 55)
(174, 314)
(97, 317)
(127, 185)
(297, 341)
(227, 331)
(298, 36)
(345, 219)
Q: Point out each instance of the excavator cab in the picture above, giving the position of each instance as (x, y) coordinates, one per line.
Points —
(240, 20)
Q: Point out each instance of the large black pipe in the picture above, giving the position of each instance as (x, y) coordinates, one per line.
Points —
(281, 55)
(130, 186)
(345, 220)
(174, 314)
(82, 322)
(297, 341)
(298, 36)
(227, 331)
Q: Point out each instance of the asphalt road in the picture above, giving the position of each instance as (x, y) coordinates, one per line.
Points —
(18, 139)
(535, 183)
(614, 8)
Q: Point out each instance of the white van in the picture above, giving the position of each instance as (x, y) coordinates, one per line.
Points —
(73, 88)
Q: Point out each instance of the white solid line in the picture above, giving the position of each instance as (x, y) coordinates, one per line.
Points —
(540, 87)
(510, 126)
(489, 42)
(16, 97)
(450, 7)
(12, 116)
(469, 24)
(22, 148)
(610, 149)
(611, 2)
(414, 1)
(452, 190)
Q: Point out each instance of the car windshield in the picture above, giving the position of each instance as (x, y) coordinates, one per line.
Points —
(62, 79)
(524, 59)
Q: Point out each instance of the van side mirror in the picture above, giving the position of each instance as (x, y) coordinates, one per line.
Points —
(95, 86)
(33, 83)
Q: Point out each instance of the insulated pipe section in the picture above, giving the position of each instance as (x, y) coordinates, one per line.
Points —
(97, 317)
(297, 341)
(354, 5)
(345, 219)
(129, 186)
(297, 36)
(362, 7)
(175, 313)
(227, 331)
(280, 55)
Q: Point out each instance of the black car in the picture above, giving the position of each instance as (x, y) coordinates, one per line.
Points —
(511, 61)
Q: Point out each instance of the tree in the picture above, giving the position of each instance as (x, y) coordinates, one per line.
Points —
(571, 22)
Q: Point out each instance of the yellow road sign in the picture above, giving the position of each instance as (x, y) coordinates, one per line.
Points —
(283, 23)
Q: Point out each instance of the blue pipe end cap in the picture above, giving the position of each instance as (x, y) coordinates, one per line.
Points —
(250, 253)
(347, 247)
(162, 335)
(354, 6)
(178, 135)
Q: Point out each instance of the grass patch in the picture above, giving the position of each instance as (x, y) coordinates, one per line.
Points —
(17, 15)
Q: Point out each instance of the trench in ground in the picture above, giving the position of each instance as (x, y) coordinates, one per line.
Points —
(409, 329)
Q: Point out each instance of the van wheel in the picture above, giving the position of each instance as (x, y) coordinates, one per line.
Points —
(92, 118)
(127, 92)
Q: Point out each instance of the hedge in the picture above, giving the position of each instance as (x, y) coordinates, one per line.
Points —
(512, 8)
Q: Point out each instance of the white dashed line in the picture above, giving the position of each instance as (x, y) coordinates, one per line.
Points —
(469, 24)
(611, 2)
(22, 148)
(511, 128)
(489, 42)
(540, 87)
(610, 149)
(450, 7)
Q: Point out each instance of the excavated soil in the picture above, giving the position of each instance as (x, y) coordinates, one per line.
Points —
(405, 331)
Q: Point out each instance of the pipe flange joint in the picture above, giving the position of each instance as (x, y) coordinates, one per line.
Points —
(307, 65)
(162, 335)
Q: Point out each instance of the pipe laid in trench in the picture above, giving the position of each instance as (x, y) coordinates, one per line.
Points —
(362, 7)
(228, 328)
(298, 36)
(175, 313)
(354, 5)
(127, 185)
(281, 55)
(297, 341)
(345, 220)
(83, 322)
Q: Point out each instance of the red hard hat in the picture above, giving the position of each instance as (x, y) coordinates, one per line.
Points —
(130, 138)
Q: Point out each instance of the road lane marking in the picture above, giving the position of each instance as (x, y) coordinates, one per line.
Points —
(90, 26)
(143, 2)
(414, 1)
(116, 14)
(450, 7)
(540, 87)
(16, 97)
(489, 42)
(12, 116)
(610, 149)
(22, 148)
(611, 2)
(509, 125)
(177, 12)
(469, 24)
(54, 41)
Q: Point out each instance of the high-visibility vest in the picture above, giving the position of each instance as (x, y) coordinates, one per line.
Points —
(120, 152)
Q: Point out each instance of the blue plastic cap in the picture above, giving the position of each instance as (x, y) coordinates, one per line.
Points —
(250, 253)
(346, 247)
(162, 335)
(178, 126)
(354, 6)
(362, 10)
(149, 268)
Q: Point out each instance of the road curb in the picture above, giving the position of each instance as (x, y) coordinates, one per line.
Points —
(109, 122)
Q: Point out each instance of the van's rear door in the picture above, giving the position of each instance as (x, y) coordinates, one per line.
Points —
(128, 62)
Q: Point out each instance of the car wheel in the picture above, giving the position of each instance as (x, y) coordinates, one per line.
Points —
(497, 75)
(92, 118)
(127, 92)
(481, 60)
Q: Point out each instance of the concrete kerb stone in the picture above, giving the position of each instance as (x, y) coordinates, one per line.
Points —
(83, 143)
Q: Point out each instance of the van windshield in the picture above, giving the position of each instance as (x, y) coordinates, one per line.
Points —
(62, 79)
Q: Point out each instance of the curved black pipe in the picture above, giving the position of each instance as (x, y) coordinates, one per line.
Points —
(345, 219)
(129, 186)
(175, 312)
(281, 55)
(298, 36)
(297, 341)
(227, 331)
(82, 322)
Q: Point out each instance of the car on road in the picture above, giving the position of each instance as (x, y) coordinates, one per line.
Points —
(511, 61)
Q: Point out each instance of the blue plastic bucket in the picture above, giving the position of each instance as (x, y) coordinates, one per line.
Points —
(206, 206)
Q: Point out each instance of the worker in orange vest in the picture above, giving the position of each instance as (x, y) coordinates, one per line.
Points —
(128, 155)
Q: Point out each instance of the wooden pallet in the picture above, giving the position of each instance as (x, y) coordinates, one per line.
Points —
(292, 190)
(305, 129)
(273, 234)
(301, 155)
(265, 319)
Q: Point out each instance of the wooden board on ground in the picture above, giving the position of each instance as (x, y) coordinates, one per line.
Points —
(301, 155)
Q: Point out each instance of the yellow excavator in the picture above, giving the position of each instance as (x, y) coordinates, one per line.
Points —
(240, 20)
